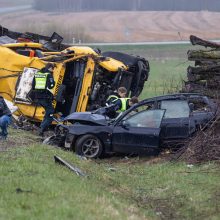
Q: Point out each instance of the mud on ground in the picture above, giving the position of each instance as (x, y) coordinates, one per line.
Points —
(18, 138)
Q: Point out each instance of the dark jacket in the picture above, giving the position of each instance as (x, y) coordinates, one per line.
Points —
(112, 98)
(112, 110)
(4, 110)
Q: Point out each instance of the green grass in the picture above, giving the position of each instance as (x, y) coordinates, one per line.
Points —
(166, 76)
(151, 52)
(136, 189)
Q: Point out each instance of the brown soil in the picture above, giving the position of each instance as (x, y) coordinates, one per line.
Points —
(18, 138)
(123, 26)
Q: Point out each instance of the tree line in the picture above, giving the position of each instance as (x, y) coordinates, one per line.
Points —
(128, 5)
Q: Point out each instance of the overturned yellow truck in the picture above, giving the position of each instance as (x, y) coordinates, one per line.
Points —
(84, 77)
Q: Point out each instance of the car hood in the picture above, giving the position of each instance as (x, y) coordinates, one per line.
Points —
(87, 118)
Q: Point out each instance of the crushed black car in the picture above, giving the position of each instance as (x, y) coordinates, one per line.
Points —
(147, 126)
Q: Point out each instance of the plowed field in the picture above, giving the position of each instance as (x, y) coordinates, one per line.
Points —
(123, 26)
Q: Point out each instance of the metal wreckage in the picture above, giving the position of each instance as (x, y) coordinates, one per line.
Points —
(84, 76)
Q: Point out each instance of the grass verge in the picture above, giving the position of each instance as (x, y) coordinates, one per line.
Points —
(32, 186)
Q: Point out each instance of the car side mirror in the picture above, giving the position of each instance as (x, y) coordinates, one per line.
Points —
(125, 124)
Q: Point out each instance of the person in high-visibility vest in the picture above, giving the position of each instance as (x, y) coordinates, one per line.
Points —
(43, 81)
(120, 93)
(121, 105)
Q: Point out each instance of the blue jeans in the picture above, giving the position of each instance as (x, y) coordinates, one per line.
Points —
(5, 120)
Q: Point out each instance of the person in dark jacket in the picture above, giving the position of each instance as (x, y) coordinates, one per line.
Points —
(43, 81)
(5, 118)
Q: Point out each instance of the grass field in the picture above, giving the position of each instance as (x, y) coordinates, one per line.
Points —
(32, 186)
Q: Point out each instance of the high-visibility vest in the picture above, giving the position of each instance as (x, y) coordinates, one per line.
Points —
(40, 80)
(123, 104)
(114, 97)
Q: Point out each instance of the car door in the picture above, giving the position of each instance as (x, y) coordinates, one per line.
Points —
(177, 123)
(138, 132)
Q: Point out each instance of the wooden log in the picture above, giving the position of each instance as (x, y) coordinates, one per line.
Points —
(213, 70)
(198, 41)
(198, 88)
(203, 55)
(206, 62)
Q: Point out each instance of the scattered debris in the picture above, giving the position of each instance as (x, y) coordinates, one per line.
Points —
(71, 167)
(19, 190)
(81, 157)
(112, 169)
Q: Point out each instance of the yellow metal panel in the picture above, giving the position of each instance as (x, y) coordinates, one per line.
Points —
(11, 65)
(86, 86)
(112, 65)
(81, 50)
(29, 45)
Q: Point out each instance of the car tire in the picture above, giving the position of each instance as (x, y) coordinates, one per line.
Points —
(89, 146)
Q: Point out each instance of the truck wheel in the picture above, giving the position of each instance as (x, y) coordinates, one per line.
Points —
(89, 146)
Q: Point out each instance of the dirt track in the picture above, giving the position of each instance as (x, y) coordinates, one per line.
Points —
(127, 26)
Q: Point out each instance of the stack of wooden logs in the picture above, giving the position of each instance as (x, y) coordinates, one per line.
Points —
(204, 75)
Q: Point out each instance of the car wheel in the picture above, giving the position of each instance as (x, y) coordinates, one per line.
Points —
(89, 146)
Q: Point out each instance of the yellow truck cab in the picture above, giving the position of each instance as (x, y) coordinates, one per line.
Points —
(84, 77)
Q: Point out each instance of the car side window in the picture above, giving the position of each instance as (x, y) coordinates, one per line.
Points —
(146, 118)
(175, 108)
(148, 106)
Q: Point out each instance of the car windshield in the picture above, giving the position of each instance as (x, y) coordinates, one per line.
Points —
(112, 120)
(136, 110)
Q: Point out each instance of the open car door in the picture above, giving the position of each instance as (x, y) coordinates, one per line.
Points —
(177, 122)
(138, 132)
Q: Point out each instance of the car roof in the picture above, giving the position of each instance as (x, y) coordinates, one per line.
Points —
(182, 96)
